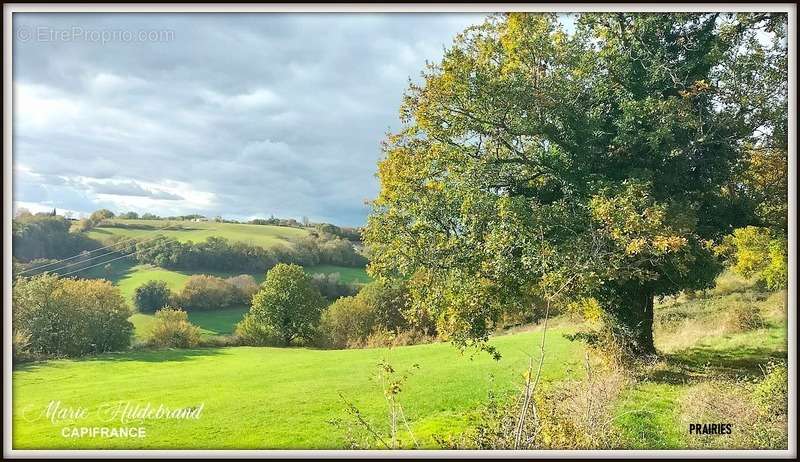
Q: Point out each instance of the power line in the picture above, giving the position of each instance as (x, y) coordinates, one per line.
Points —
(89, 252)
(95, 257)
(98, 264)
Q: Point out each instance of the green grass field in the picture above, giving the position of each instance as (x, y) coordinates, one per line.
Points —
(271, 397)
(264, 398)
(348, 275)
(262, 235)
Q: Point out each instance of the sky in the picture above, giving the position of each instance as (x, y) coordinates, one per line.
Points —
(233, 115)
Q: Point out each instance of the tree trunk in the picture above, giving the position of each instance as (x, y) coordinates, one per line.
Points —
(633, 309)
(645, 327)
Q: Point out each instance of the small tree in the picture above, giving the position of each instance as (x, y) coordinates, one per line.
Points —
(288, 303)
(151, 295)
(99, 215)
(173, 329)
(81, 226)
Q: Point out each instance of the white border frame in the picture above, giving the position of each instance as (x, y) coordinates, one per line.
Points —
(9, 9)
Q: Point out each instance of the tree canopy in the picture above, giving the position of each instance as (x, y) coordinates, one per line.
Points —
(599, 163)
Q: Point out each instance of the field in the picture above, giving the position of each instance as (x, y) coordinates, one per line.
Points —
(128, 275)
(269, 397)
(285, 397)
(262, 235)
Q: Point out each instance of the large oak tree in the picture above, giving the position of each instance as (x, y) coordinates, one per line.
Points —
(598, 163)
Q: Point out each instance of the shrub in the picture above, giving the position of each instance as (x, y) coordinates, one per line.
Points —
(20, 346)
(375, 316)
(250, 331)
(70, 317)
(347, 323)
(173, 329)
(771, 395)
(382, 337)
(389, 301)
(331, 287)
(758, 412)
(151, 296)
(758, 252)
(611, 340)
(202, 293)
(81, 226)
(776, 274)
(742, 317)
(246, 286)
(567, 415)
(99, 215)
(288, 303)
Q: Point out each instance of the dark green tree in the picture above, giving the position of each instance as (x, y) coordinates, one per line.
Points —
(151, 296)
(288, 303)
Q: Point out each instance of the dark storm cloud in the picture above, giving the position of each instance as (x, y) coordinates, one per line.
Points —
(234, 115)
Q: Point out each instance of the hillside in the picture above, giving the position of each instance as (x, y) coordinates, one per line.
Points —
(287, 397)
(128, 275)
(263, 235)
(273, 397)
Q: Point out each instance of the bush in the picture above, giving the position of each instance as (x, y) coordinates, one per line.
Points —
(151, 296)
(758, 252)
(203, 293)
(776, 273)
(331, 287)
(70, 317)
(288, 304)
(99, 215)
(742, 317)
(382, 337)
(373, 317)
(758, 411)
(730, 282)
(771, 395)
(250, 331)
(246, 285)
(173, 329)
(347, 323)
(611, 340)
(20, 346)
(567, 415)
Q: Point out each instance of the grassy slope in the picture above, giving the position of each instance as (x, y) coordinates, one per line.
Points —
(282, 398)
(695, 349)
(272, 398)
(262, 235)
(128, 276)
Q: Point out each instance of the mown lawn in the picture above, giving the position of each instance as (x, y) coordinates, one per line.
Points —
(272, 397)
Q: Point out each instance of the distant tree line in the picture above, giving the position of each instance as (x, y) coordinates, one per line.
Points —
(220, 254)
(46, 236)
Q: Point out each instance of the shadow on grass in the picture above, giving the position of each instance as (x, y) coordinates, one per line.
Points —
(145, 356)
(118, 270)
(700, 362)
